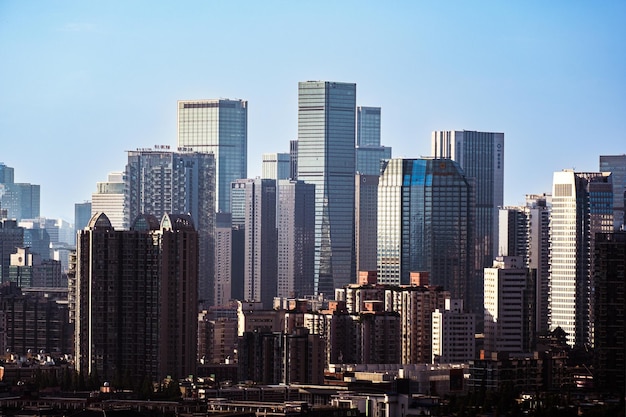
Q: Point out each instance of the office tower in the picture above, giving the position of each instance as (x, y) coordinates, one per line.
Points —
(254, 205)
(135, 294)
(453, 333)
(109, 199)
(296, 238)
(223, 259)
(365, 221)
(82, 215)
(509, 300)
(20, 200)
(610, 304)
(275, 166)
(425, 224)
(616, 165)
(160, 182)
(326, 158)
(525, 231)
(36, 237)
(369, 152)
(293, 159)
(11, 238)
(481, 156)
(219, 127)
(582, 205)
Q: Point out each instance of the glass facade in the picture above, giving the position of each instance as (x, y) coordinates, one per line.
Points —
(582, 205)
(326, 158)
(425, 224)
(616, 165)
(481, 156)
(219, 127)
(368, 126)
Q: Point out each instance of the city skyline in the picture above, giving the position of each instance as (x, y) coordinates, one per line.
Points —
(101, 80)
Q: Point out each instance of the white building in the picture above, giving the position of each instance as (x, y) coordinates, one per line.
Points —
(109, 199)
(453, 334)
(507, 322)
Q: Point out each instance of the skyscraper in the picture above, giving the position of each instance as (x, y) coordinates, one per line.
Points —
(525, 231)
(296, 238)
(582, 205)
(82, 215)
(136, 299)
(160, 182)
(616, 165)
(219, 127)
(11, 238)
(481, 156)
(21, 200)
(369, 152)
(109, 199)
(425, 224)
(275, 166)
(365, 221)
(326, 158)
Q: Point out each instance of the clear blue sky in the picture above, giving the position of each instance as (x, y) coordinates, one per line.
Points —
(81, 82)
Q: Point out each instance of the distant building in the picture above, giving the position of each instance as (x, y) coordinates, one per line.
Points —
(220, 127)
(453, 333)
(365, 221)
(509, 316)
(20, 200)
(525, 231)
(11, 238)
(326, 158)
(425, 211)
(275, 166)
(616, 165)
(31, 270)
(109, 199)
(135, 299)
(82, 215)
(610, 302)
(159, 182)
(481, 157)
(223, 259)
(582, 205)
(369, 152)
(296, 239)
(293, 159)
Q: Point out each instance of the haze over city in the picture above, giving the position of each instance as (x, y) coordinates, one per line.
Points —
(83, 82)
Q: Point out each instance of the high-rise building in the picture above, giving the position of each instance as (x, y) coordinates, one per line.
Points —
(369, 152)
(296, 238)
(160, 182)
(610, 303)
(582, 205)
(223, 259)
(525, 231)
(257, 198)
(481, 156)
(326, 158)
(365, 221)
(275, 166)
(425, 224)
(11, 238)
(453, 332)
(82, 215)
(109, 199)
(293, 159)
(135, 292)
(20, 200)
(219, 127)
(616, 165)
(29, 269)
(509, 300)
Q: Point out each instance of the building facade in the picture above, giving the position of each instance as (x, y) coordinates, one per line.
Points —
(369, 151)
(453, 334)
(365, 221)
(616, 165)
(219, 127)
(582, 205)
(276, 166)
(135, 292)
(481, 156)
(109, 199)
(326, 158)
(20, 200)
(425, 224)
